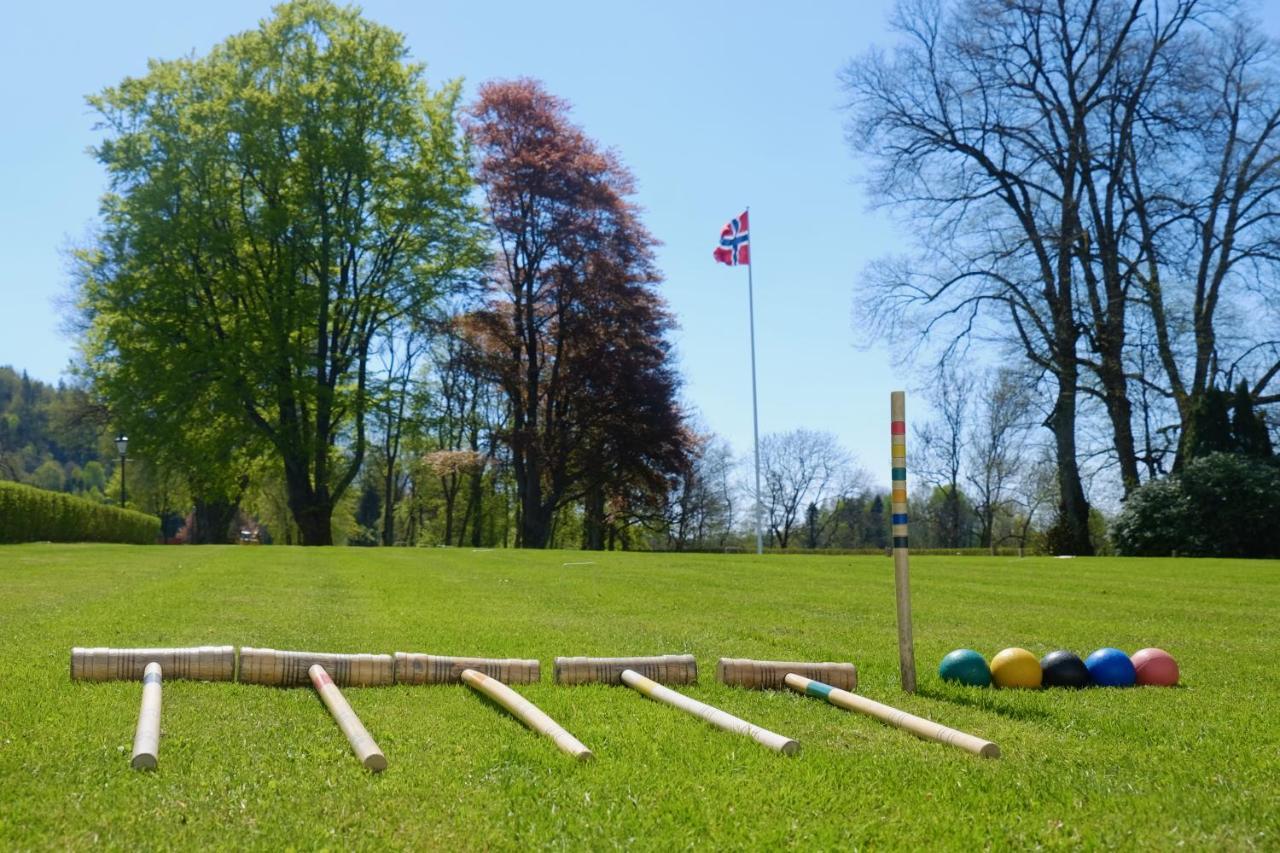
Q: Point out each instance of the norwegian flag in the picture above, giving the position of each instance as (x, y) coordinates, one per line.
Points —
(734, 248)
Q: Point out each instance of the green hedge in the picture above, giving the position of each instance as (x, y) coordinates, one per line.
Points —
(28, 514)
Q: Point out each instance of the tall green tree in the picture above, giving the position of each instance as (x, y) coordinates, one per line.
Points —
(274, 206)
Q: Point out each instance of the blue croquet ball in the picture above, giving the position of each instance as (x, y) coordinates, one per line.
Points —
(1064, 669)
(966, 667)
(1111, 668)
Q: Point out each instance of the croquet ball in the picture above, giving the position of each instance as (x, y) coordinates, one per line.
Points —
(1015, 668)
(966, 667)
(1155, 668)
(1064, 669)
(1111, 668)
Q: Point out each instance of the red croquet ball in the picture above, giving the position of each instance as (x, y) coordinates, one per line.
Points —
(1155, 668)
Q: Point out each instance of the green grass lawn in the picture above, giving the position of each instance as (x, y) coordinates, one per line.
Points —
(244, 765)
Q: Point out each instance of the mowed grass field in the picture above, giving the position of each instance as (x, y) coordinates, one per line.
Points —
(250, 766)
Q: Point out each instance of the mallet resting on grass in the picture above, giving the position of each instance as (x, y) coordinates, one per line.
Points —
(206, 663)
(362, 743)
(714, 716)
(769, 674)
(668, 669)
(437, 669)
(918, 726)
(291, 669)
(526, 712)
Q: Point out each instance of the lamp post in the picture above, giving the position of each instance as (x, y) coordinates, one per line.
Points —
(122, 444)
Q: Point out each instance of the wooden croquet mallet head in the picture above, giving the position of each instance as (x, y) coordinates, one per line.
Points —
(292, 669)
(196, 663)
(414, 668)
(772, 674)
(664, 669)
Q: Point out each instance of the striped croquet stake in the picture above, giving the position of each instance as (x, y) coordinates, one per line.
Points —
(901, 563)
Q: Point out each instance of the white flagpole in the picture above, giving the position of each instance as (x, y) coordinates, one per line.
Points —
(755, 407)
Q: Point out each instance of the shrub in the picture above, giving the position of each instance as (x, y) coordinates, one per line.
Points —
(28, 514)
(1155, 521)
(1222, 505)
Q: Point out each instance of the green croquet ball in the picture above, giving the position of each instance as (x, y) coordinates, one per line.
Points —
(966, 667)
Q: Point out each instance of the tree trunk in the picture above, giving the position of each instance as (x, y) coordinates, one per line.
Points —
(593, 519)
(1120, 410)
(1072, 536)
(211, 522)
(535, 522)
(450, 495)
(312, 509)
(389, 506)
(477, 506)
(315, 524)
(953, 514)
(986, 538)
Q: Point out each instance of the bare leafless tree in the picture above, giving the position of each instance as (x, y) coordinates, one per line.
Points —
(1034, 491)
(1066, 165)
(702, 505)
(940, 456)
(1207, 214)
(797, 468)
(996, 447)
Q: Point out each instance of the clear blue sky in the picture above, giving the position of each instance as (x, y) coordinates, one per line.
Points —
(713, 105)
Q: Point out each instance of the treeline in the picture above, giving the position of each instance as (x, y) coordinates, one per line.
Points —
(328, 296)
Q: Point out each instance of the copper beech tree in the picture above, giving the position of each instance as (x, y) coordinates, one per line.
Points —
(572, 329)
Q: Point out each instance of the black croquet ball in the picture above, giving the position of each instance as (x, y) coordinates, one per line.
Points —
(1064, 669)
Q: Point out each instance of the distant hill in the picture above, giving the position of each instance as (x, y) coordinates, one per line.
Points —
(53, 437)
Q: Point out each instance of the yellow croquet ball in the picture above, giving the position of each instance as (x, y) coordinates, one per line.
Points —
(1015, 668)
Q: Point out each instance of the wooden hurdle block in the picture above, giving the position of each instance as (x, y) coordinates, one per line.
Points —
(292, 669)
(771, 674)
(412, 668)
(196, 663)
(667, 669)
